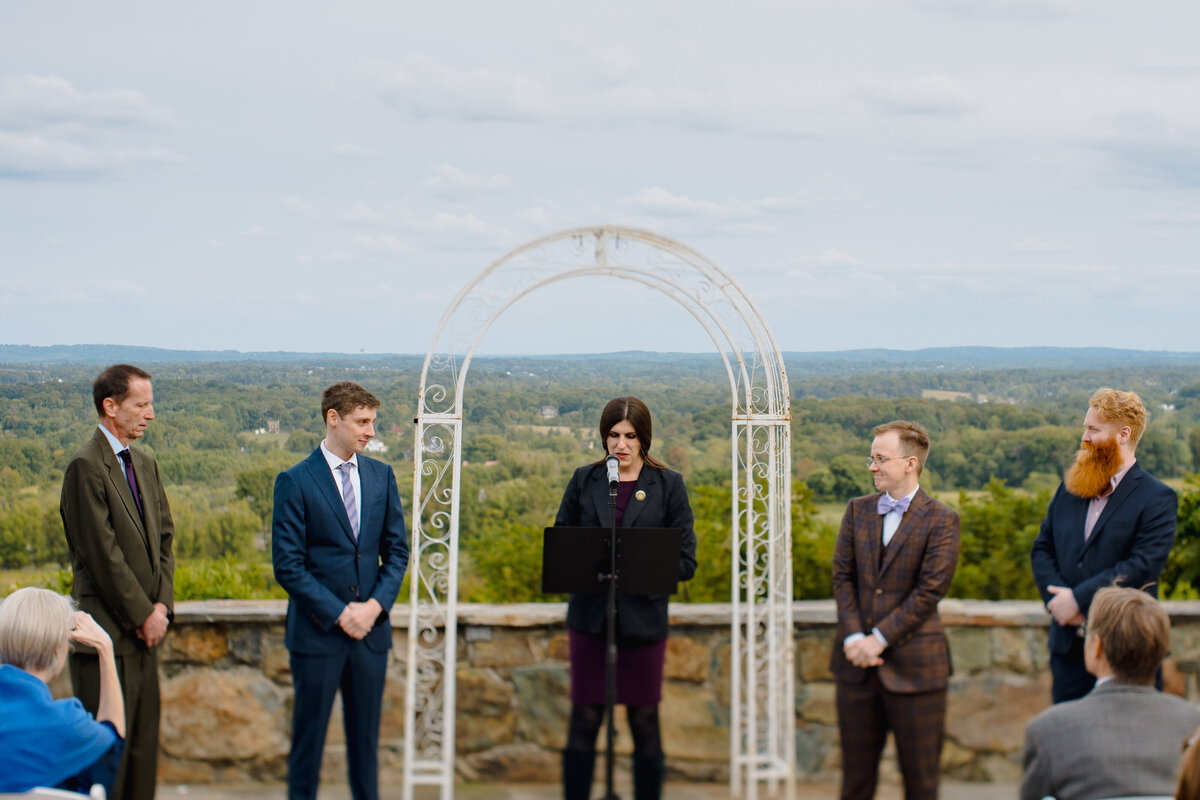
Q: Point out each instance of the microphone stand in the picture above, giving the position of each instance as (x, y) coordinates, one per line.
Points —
(610, 666)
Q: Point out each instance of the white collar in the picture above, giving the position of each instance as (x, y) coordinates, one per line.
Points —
(113, 441)
(910, 495)
(333, 461)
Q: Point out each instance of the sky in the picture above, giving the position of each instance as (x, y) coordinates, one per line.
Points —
(325, 177)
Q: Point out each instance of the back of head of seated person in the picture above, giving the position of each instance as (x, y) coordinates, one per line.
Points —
(35, 629)
(47, 742)
(1128, 635)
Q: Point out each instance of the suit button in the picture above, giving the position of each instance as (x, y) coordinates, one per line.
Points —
(879, 591)
(353, 588)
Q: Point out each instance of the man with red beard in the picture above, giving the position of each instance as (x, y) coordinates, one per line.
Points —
(1110, 520)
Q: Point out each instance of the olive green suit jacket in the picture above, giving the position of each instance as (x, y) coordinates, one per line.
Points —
(122, 564)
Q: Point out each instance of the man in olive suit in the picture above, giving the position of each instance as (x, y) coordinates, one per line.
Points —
(119, 532)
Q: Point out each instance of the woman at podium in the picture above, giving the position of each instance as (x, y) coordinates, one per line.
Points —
(649, 496)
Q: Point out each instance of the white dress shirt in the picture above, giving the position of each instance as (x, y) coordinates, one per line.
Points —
(334, 462)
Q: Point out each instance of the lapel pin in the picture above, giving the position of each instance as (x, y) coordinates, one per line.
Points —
(640, 495)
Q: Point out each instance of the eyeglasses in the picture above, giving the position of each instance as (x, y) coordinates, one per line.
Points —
(871, 460)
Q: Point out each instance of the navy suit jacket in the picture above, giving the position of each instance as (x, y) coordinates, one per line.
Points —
(1131, 542)
(318, 561)
(640, 617)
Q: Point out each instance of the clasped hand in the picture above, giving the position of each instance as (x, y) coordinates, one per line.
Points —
(1063, 606)
(864, 652)
(154, 628)
(357, 619)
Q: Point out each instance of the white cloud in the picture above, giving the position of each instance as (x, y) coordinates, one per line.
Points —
(535, 215)
(597, 95)
(51, 130)
(732, 215)
(1019, 10)
(32, 156)
(450, 181)
(300, 206)
(1171, 217)
(426, 89)
(254, 232)
(462, 231)
(348, 149)
(829, 257)
(660, 202)
(933, 94)
(361, 213)
(381, 243)
(1036, 245)
(1153, 148)
(36, 101)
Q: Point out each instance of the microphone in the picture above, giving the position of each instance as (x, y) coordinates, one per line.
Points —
(612, 464)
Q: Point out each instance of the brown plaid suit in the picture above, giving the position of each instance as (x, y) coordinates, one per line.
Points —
(897, 593)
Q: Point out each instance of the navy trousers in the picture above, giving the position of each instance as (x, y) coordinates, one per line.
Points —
(359, 673)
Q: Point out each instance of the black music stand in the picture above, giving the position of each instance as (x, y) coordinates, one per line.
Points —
(593, 560)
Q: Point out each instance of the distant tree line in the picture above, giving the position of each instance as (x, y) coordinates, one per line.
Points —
(996, 461)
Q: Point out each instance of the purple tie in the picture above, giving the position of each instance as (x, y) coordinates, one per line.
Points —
(887, 504)
(127, 457)
(348, 498)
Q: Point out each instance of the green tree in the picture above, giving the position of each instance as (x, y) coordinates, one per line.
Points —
(509, 569)
(302, 441)
(812, 545)
(1180, 579)
(845, 478)
(998, 530)
(1194, 447)
(257, 487)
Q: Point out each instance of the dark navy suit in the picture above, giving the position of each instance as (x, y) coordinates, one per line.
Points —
(322, 567)
(1130, 543)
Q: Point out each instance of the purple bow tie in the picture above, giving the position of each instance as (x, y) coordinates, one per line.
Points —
(887, 504)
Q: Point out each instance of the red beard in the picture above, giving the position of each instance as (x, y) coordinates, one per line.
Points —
(1095, 465)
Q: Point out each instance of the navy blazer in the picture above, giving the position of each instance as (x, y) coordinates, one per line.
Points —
(1131, 542)
(318, 561)
(640, 618)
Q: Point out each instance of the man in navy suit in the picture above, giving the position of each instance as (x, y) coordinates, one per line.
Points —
(1110, 521)
(340, 550)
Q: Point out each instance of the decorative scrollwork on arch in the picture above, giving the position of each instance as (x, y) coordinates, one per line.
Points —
(762, 725)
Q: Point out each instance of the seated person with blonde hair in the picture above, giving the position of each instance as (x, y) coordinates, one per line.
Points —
(1122, 738)
(43, 741)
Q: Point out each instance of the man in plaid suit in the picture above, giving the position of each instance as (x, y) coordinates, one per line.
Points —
(895, 555)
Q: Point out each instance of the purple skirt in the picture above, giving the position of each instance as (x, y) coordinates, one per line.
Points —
(639, 671)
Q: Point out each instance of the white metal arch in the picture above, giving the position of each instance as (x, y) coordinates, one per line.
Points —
(762, 726)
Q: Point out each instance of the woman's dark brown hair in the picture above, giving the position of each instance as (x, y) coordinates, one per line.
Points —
(638, 415)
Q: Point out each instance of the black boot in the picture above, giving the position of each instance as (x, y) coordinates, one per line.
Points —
(577, 769)
(647, 777)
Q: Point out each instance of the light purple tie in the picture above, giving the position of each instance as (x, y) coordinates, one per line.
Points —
(348, 496)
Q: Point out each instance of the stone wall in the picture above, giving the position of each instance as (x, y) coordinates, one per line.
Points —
(227, 693)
